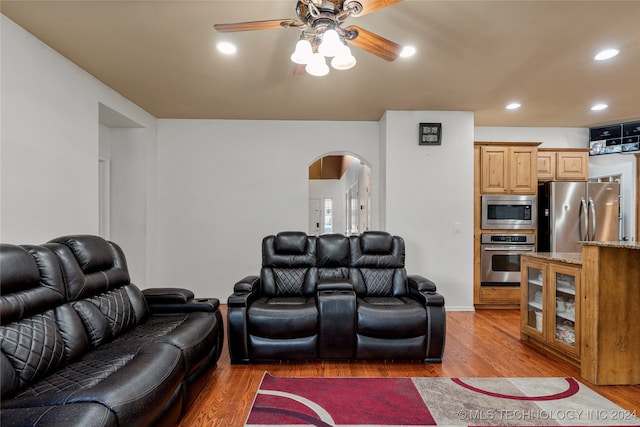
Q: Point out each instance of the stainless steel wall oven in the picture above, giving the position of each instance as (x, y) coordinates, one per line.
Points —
(500, 257)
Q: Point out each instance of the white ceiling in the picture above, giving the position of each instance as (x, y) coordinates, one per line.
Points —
(472, 56)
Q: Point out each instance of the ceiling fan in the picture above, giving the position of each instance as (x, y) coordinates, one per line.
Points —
(323, 36)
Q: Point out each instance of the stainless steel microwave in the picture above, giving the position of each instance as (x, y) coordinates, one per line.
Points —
(509, 212)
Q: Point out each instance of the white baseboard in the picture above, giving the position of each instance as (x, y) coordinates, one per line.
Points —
(459, 308)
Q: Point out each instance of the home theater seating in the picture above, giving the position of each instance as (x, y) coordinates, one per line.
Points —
(83, 346)
(335, 297)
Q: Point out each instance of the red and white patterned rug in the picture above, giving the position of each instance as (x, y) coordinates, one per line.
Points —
(357, 402)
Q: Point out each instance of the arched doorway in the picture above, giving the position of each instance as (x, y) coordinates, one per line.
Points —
(339, 194)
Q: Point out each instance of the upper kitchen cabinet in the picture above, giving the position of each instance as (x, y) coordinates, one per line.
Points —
(508, 168)
(569, 164)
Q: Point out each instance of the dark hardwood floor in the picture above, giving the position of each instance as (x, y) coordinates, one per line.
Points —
(485, 343)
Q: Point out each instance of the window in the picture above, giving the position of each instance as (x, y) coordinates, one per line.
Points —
(328, 216)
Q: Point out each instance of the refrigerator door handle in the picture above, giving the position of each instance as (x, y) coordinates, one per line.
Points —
(592, 211)
(583, 220)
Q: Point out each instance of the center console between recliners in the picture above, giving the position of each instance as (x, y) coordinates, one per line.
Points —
(335, 297)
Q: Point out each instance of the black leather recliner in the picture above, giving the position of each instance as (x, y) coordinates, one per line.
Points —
(393, 310)
(82, 345)
(335, 297)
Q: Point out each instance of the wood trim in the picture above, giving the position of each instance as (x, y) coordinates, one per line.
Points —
(637, 197)
(504, 143)
(574, 150)
(476, 225)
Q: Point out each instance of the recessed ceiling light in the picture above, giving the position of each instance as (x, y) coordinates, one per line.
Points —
(407, 51)
(598, 107)
(513, 106)
(606, 54)
(227, 48)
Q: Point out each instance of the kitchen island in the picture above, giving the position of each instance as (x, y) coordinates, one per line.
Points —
(585, 308)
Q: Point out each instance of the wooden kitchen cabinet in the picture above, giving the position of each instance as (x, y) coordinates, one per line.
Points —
(550, 306)
(508, 168)
(563, 164)
(546, 165)
(583, 307)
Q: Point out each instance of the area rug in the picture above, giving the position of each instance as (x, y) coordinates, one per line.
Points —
(356, 402)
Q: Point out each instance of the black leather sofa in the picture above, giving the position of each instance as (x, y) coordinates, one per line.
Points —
(335, 297)
(82, 346)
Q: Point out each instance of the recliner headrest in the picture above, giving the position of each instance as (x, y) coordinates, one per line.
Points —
(333, 251)
(376, 243)
(91, 265)
(92, 253)
(18, 269)
(291, 243)
(31, 281)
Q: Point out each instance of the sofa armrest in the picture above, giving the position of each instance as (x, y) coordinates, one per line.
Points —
(433, 302)
(334, 285)
(244, 291)
(246, 285)
(421, 284)
(177, 300)
(167, 295)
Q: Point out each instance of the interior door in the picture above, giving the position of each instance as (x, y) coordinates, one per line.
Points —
(315, 212)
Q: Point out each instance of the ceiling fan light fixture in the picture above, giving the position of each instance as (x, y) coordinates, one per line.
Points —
(317, 66)
(606, 54)
(331, 44)
(343, 59)
(407, 52)
(303, 52)
(227, 48)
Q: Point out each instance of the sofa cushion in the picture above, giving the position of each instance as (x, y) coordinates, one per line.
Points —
(291, 317)
(31, 282)
(35, 319)
(134, 384)
(85, 414)
(333, 257)
(376, 242)
(291, 243)
(391, 317)
(376, 249)
(86, 272)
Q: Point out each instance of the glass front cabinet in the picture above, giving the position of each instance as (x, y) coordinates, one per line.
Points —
(563, 309)
(533, 306)
(550, 304)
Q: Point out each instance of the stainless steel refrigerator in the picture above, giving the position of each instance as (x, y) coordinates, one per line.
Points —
(570, 212)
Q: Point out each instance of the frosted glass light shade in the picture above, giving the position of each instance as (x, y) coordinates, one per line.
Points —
(331, 43)
(317, 66)
(343, 59)
(303, 52)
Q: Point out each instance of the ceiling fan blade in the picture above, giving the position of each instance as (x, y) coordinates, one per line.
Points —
(369, 6)
(256, 25)
(375, 44)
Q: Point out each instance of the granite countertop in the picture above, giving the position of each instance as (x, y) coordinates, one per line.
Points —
(568, 257)
(614, 244)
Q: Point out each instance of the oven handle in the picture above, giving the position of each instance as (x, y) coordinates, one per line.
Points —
(508, 248)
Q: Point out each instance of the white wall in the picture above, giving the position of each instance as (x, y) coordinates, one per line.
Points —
(223, 185)
(557, 137)
(49, 142)
(50, 147)
(428, 189)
